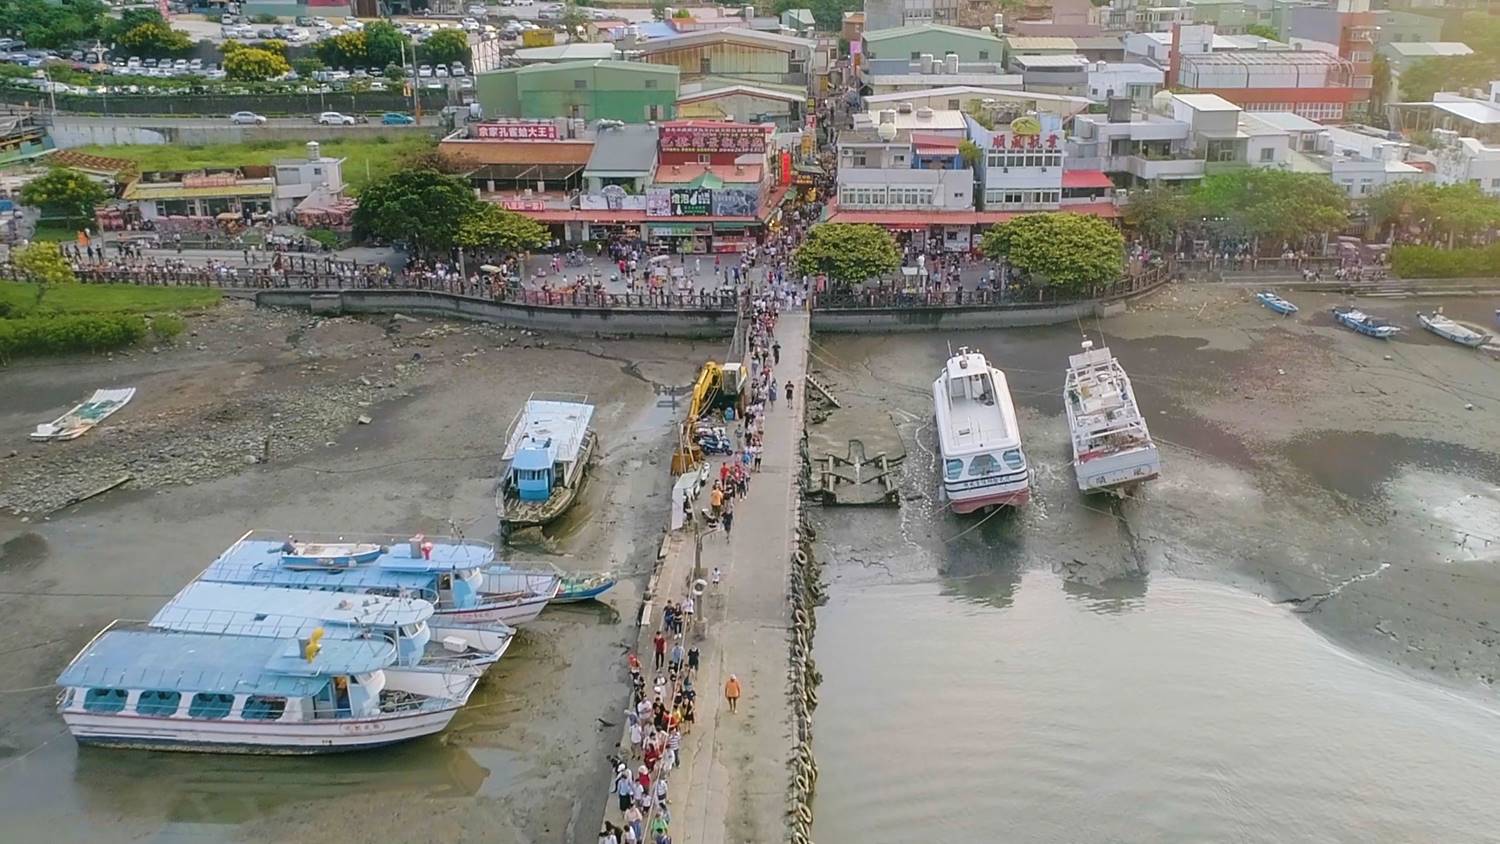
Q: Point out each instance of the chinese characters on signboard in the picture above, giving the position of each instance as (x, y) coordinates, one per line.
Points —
(692, 202)
(517, 131)
(727, 137)
(658, 202)
(1038, 142)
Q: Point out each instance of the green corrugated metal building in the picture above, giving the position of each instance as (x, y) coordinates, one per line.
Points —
(599, 89)
(909, 42)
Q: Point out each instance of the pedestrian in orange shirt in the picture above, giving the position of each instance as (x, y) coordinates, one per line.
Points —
(732, 692)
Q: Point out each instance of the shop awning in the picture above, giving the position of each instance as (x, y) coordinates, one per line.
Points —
(1086, 179)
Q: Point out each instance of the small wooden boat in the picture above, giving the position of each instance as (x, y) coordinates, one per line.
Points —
(583, 587)
(1358, 320)
(1276, 303)
(1450, 330)
(328, 555)
(84, 416)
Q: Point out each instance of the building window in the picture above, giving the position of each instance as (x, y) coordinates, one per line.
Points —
(984, 55)
(915, 55)
(650, 84)
(1364, 82)
(653, 112)
(953, 105)
(1495, 183)
(317, 171)
(1359, 56)
(1021, 158)
(705, 65)
(1268, 154)
(580, 83)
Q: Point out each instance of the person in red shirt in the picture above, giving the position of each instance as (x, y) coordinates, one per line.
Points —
(660, 643)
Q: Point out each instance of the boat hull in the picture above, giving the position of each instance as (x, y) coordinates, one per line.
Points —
(1110, 473)
(992, 498)
(1470, 339)
(513, 613)
(574, 596)
(516, 513)
(488, 638)
(271, 738)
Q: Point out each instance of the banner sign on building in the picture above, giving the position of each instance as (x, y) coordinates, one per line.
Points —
(658, 202)
(692, 202)
(726, 137)
(1015, 141)
(517, 130)
(736, 202)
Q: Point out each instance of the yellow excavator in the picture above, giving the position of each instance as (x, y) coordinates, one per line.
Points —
(718, 386)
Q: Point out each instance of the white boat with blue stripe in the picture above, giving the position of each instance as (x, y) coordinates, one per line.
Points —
(980, 441)
(459, 577)
(206, 692)
(424, 666)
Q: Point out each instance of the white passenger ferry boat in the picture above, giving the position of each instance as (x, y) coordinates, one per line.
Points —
(980, 442)
(170, 690)
(1112, 449)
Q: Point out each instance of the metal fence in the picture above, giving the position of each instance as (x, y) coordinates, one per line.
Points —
(200, 105)
(1014, 297)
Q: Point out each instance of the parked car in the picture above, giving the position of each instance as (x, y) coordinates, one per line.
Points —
(457, 69)
(425, 71)
(247, 118)
(397, 118)
(303, 20)
(440, 72)
(333, 118)
(478, 10)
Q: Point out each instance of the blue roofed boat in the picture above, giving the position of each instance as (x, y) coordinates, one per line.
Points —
(422, 665)
(545, 461)
(1276, 303)
(169, 690)
(459, 577)
(1365, 324)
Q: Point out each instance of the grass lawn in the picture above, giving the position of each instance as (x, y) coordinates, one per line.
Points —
(107, 298)
(364, 159)
(55, 233)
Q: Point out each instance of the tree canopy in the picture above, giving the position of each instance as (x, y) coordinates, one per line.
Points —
(156, 40)
(384, 44)
(446, 46)
(848, 253)
(1158, 213)
(252, 64)
(1434, 212)
(51, 25)
(1072, 251)
(1270, 204)
(421, 207)
(346, 50)
(494, 228)
(64, 193)
(42, 264)
(1447, 73)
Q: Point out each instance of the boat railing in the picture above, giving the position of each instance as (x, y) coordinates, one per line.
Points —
(387, 540)
(403, 703)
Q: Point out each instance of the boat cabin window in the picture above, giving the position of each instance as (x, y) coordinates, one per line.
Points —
(104, 700)
(263, 708)
(409, 631)
(210, 705)
(158, 703)
(983, 465)
(952, 469)
(1014, 458)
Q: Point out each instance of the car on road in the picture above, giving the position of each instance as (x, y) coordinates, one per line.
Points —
(247, 118)
(333, 118)
(396, 118)
(478, 10)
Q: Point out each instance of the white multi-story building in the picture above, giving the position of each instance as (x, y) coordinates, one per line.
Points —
(903, 170)
(1022, 167)
(1135, 81)
(1134, 146)
(1467, 160)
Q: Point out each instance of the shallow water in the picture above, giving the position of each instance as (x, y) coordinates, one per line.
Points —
(1141, 710)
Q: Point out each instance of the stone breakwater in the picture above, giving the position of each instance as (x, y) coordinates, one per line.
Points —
(805, 593)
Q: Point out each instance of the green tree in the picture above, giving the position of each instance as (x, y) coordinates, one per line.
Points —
(1437, 212)
(306, 67)
(64, 193)
(848, 253)
(344, 51)
(250, 64)
(571, 19)
(494, 228)
(659, 10)
(42, 264)
(273, 45)
(970, 153)
(155, 40)
(384, 44)
(446, 46)
(1071, 251)
(52, 25)
(1446, 73)
(1271, 204)
(1158, 214)
(420, 207)
(1260, 30)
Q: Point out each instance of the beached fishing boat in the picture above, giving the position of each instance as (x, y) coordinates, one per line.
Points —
(167, 690)
(458, 576)
(1276, 303)
(423, 664)
(545, 461)
(1112, 448)
(980, 442)
(1365, 324)
(1450, 330)
(84, 416)
(583, 587)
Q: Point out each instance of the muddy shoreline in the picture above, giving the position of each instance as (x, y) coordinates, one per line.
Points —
(1353, 479)
(523, 762)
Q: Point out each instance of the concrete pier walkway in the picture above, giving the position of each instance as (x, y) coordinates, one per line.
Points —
(732, 781)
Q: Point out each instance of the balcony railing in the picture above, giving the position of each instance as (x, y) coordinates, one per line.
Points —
(1148, 167)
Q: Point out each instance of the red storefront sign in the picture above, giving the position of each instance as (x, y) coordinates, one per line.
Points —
(518, 204)
(1048, 141)
(535, 130)
(728, 137)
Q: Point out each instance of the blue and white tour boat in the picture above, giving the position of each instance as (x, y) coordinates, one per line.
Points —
(545, 461)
